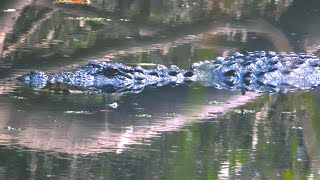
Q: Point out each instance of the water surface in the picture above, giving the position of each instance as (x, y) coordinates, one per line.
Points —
(187, 132)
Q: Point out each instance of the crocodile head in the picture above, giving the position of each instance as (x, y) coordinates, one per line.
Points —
(35, 79)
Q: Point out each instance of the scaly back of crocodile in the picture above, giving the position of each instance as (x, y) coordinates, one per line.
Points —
(256, 71)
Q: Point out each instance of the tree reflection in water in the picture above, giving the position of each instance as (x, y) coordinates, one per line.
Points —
(167, 133)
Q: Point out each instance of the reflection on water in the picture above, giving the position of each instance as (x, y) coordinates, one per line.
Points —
(178, 135)
(62, 31)
(83, 124)
(164, 133)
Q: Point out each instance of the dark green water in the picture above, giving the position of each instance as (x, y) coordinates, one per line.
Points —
(161, 133)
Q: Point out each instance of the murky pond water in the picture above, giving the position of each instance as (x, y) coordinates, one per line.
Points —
(186, 132)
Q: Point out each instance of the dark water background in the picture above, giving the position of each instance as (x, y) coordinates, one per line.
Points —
(161, 133)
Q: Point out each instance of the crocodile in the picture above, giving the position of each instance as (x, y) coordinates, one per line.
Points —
(257, 71)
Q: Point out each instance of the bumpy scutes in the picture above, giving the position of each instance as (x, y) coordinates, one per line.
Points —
(261, 72)
(110, 77)
(255, 71)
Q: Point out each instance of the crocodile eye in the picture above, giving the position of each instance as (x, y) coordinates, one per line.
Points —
(111, 71)
(174, 70)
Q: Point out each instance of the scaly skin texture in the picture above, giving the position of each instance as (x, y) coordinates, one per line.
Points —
(256, 71)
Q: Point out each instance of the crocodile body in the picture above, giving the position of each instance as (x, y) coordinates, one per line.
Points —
(255, 71)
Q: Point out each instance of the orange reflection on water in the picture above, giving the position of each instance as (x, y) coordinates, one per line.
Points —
(73, 1)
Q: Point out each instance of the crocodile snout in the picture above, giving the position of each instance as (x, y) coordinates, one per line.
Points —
(34, 78)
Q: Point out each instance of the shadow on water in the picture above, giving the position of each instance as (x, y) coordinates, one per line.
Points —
(186, 132)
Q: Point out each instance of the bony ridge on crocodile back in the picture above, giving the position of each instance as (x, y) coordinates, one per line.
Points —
(255, 71)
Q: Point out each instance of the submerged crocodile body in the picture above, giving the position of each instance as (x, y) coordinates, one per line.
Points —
(255, 71)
